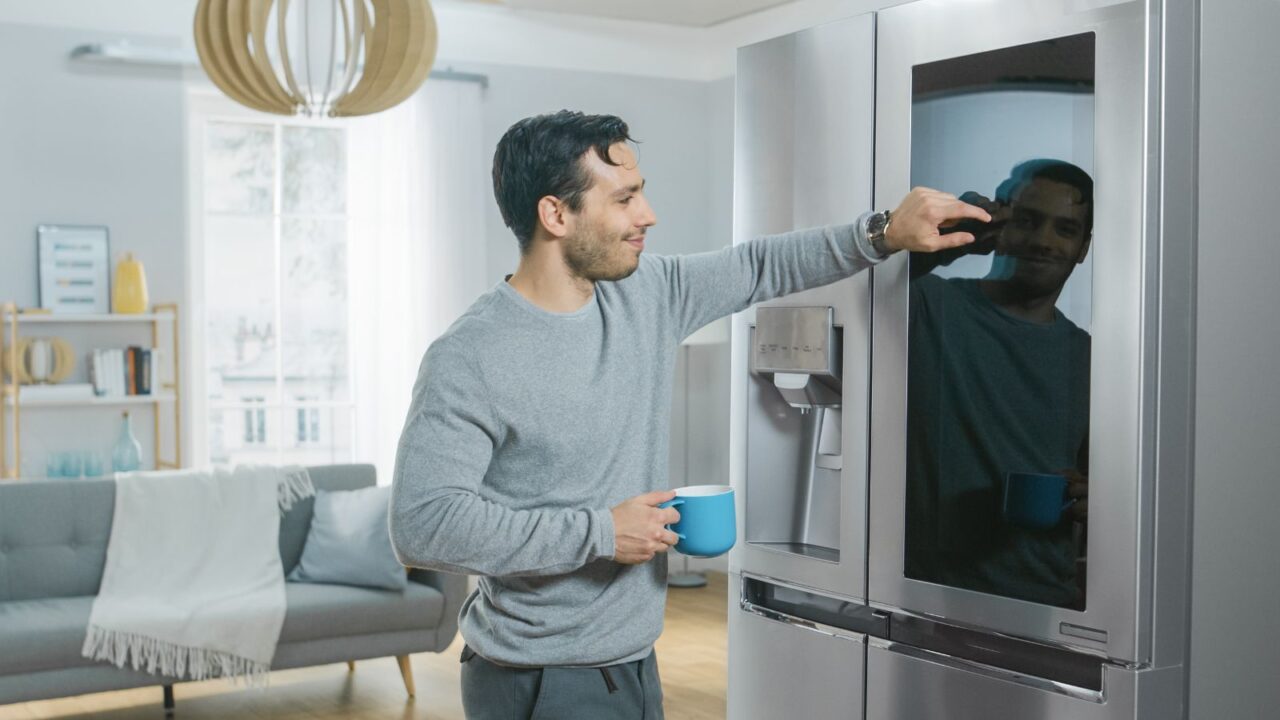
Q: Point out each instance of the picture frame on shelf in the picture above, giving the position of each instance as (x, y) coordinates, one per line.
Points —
(74, 268)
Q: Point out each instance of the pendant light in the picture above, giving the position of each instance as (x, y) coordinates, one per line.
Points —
(330, 58)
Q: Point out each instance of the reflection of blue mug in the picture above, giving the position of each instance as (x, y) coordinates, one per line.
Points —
(707, 527)
(1035, 500)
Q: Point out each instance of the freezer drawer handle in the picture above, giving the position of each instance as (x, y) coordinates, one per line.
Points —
(790, 604)
(1011, 654)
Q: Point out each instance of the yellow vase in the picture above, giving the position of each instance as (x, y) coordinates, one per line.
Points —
(129, 296)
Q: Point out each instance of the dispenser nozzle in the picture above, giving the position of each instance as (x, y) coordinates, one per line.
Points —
(805, 391)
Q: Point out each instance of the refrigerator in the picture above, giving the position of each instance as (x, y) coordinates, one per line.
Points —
(965, 479)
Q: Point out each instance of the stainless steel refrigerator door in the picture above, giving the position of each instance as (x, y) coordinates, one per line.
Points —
(1116, 618)
(905, 683)
(803, 158)
(783, 670)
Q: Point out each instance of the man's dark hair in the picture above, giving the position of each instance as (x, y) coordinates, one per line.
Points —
(541, 156)
(1059, 171)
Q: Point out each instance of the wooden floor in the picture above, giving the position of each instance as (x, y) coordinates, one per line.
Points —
(691, 654)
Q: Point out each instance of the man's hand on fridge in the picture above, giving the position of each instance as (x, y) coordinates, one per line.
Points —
(918, 223)
(986, 234)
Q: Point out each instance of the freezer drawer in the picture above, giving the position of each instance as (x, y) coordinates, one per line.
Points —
(779, 670)
(903, 682)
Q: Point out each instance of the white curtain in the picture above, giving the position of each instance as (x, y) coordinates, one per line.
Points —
(418, 178)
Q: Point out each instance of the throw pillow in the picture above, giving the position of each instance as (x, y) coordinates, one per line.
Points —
(349, 543)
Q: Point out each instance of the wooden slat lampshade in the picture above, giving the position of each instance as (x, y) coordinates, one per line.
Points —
(316, 57)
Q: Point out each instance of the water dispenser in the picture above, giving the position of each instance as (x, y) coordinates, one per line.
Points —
(794, 455)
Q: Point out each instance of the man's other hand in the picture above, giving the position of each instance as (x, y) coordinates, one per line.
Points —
(916, 225)
(1078, 490)
(639, 530)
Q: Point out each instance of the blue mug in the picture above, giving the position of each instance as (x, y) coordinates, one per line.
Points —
(707, 526)
(1035, 500)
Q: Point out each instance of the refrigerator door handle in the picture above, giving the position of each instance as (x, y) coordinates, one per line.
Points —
(800, 607)
(785, 619)
(977, 668)
(1023, 658)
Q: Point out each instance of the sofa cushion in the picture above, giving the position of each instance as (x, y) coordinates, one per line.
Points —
(295, 524)
(43, 634)
(53, 537)
(324, 611)
(47, 634)
(349, 543)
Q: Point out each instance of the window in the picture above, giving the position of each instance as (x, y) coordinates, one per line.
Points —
(272, 244)
(255, 422)
(308, 429)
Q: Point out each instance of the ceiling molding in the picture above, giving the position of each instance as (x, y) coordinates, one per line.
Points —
(697, 14)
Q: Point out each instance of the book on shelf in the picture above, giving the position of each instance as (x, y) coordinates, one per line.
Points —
(131, 369)
(144, 371)
(120, 372)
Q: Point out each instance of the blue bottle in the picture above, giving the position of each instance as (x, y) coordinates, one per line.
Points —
(126, 456)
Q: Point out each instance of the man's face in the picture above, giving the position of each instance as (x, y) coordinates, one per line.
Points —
(1046, 236)
(607, 235)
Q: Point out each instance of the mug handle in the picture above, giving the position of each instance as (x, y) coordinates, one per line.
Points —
(673, 503)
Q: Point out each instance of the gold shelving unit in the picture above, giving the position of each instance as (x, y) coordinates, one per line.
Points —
(11, 391)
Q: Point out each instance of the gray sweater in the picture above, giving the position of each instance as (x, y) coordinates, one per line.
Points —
(527, 426)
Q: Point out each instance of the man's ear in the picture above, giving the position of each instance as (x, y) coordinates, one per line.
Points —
(553, 215)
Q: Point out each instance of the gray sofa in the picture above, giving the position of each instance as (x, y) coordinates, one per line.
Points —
(53, 544)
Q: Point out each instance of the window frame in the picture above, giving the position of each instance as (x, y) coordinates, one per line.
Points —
(205, 106)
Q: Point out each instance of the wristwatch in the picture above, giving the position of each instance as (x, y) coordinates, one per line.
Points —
(877, 226)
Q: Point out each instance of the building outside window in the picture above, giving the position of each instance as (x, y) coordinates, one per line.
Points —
(308, 426)
(255, 421)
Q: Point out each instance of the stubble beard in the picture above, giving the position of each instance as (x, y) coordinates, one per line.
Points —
(597, 257)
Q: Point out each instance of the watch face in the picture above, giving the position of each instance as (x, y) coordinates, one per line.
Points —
(876, 224)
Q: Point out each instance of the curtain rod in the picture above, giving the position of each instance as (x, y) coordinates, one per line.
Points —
(128, 53)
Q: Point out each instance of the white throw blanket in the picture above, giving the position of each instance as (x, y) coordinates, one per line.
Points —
(193, 587)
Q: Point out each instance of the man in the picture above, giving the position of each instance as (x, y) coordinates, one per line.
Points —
(998, 383)
(535, 450)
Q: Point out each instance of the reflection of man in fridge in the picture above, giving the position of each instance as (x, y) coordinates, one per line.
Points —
(999, 383)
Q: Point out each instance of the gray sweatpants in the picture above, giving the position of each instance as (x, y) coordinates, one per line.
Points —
(630, 691)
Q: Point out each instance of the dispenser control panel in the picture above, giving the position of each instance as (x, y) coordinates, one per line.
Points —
(795, 340)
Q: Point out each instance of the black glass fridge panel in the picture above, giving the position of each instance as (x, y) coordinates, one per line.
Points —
(998, 343)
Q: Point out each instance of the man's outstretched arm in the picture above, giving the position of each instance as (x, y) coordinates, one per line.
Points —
(711, 285)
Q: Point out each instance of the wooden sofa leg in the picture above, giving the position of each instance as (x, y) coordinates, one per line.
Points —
(351, 666)
(168, 701)
(406, 672)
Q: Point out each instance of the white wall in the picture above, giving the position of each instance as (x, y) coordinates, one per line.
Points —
(88, 145)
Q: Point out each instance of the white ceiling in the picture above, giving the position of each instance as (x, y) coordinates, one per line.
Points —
(692, 13)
